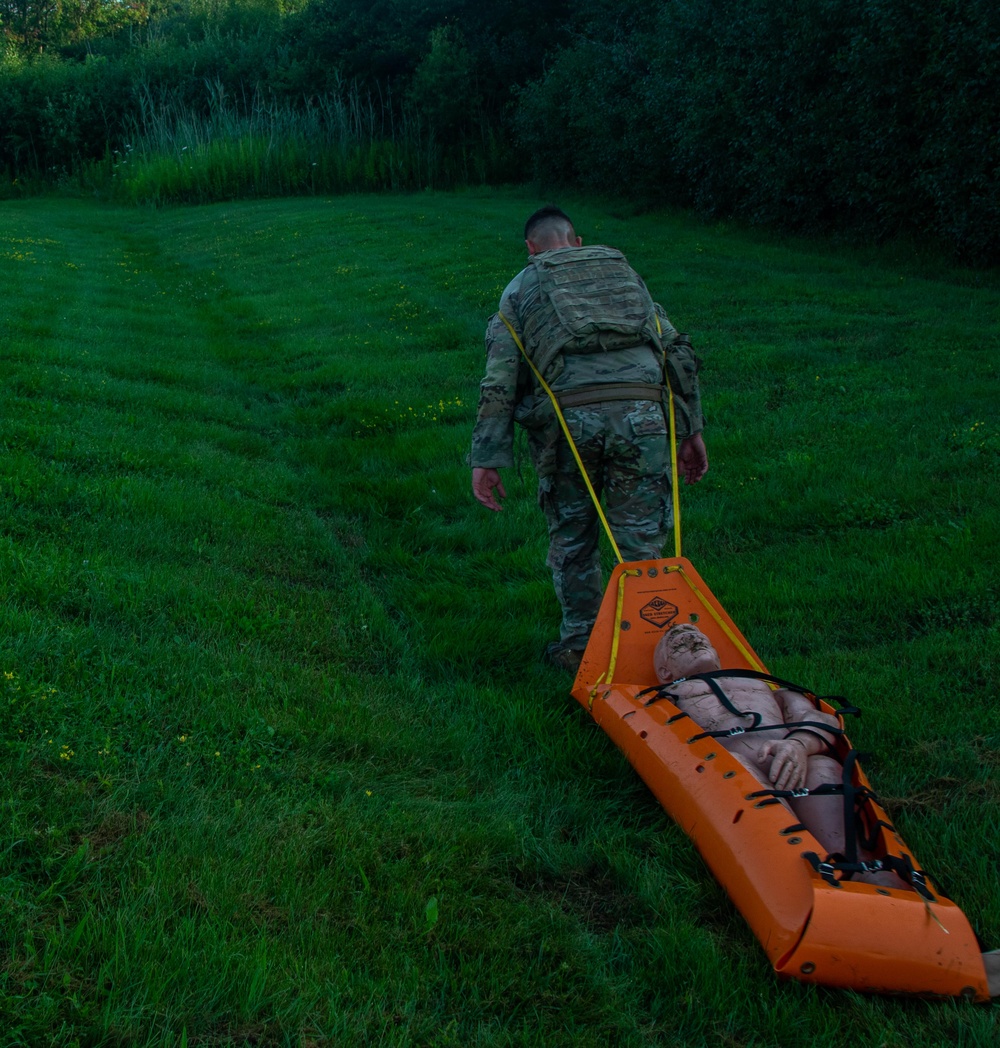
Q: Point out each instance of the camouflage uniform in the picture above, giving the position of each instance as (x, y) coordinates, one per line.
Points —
(587, 320)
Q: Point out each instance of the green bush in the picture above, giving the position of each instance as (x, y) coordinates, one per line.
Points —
(54, 114)
(805, 114)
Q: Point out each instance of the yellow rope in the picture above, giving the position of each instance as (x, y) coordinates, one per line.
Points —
(616, 635)
(719, 620)
(608, 675)
(675, 486)
(565, 429)
(674, 474)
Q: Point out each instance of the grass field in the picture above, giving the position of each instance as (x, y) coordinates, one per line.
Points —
(281, 764)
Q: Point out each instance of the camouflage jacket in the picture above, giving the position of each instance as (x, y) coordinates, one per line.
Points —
(578, 353)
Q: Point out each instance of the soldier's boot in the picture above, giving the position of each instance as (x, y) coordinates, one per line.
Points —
(563, 658)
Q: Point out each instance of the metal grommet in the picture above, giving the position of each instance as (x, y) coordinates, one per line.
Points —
(794, 840)
(808, 968)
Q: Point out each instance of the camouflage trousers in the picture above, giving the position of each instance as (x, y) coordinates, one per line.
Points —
(625, 448)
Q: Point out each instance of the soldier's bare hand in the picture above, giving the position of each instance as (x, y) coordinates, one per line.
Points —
(692, 459)
(484, 483)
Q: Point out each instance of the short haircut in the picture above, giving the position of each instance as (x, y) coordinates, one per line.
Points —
(547, 219)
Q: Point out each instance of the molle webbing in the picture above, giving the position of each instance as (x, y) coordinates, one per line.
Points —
(589, 300)
(584, 395)
(682, 366)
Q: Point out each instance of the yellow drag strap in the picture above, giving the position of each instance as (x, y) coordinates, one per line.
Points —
(719, 620)
(565, 429)
(607, 676)
(674, 476)
(675, 486)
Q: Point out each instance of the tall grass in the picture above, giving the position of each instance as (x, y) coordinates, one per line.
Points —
(259, 147)
(281, 763)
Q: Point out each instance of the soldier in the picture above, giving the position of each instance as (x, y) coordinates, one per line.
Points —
(592, 331)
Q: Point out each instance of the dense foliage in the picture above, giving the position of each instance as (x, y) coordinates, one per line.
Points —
(38, 25)
(814, 114)
(879, 118)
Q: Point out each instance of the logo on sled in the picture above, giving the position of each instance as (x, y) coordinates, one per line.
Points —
(659, 612)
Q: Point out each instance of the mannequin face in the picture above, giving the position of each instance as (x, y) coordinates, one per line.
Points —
(682, 651)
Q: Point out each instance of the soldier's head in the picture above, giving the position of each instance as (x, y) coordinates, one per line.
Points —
(548, 228)
(684, 650)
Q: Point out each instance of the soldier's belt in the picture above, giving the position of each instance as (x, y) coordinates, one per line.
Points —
(576, 398)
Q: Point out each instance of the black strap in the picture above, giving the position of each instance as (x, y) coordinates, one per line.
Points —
(662, 691)
(853, 795)
(851, 798)
(711, 678)
(901, 865)
(869, 843)
(794, 725)
(849, 864)
(824, 789)
(824, 867)
(806, 728)
(846, 865)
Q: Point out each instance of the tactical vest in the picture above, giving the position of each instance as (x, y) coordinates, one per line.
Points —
(589, 300)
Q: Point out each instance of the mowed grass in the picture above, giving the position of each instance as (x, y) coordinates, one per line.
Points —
(281, 764)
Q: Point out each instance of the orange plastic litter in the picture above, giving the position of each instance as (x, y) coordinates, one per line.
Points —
(853, 935)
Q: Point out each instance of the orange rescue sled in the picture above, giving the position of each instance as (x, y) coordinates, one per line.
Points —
(813, 927)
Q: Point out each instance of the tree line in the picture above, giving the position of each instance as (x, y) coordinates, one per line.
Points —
(880, 119)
